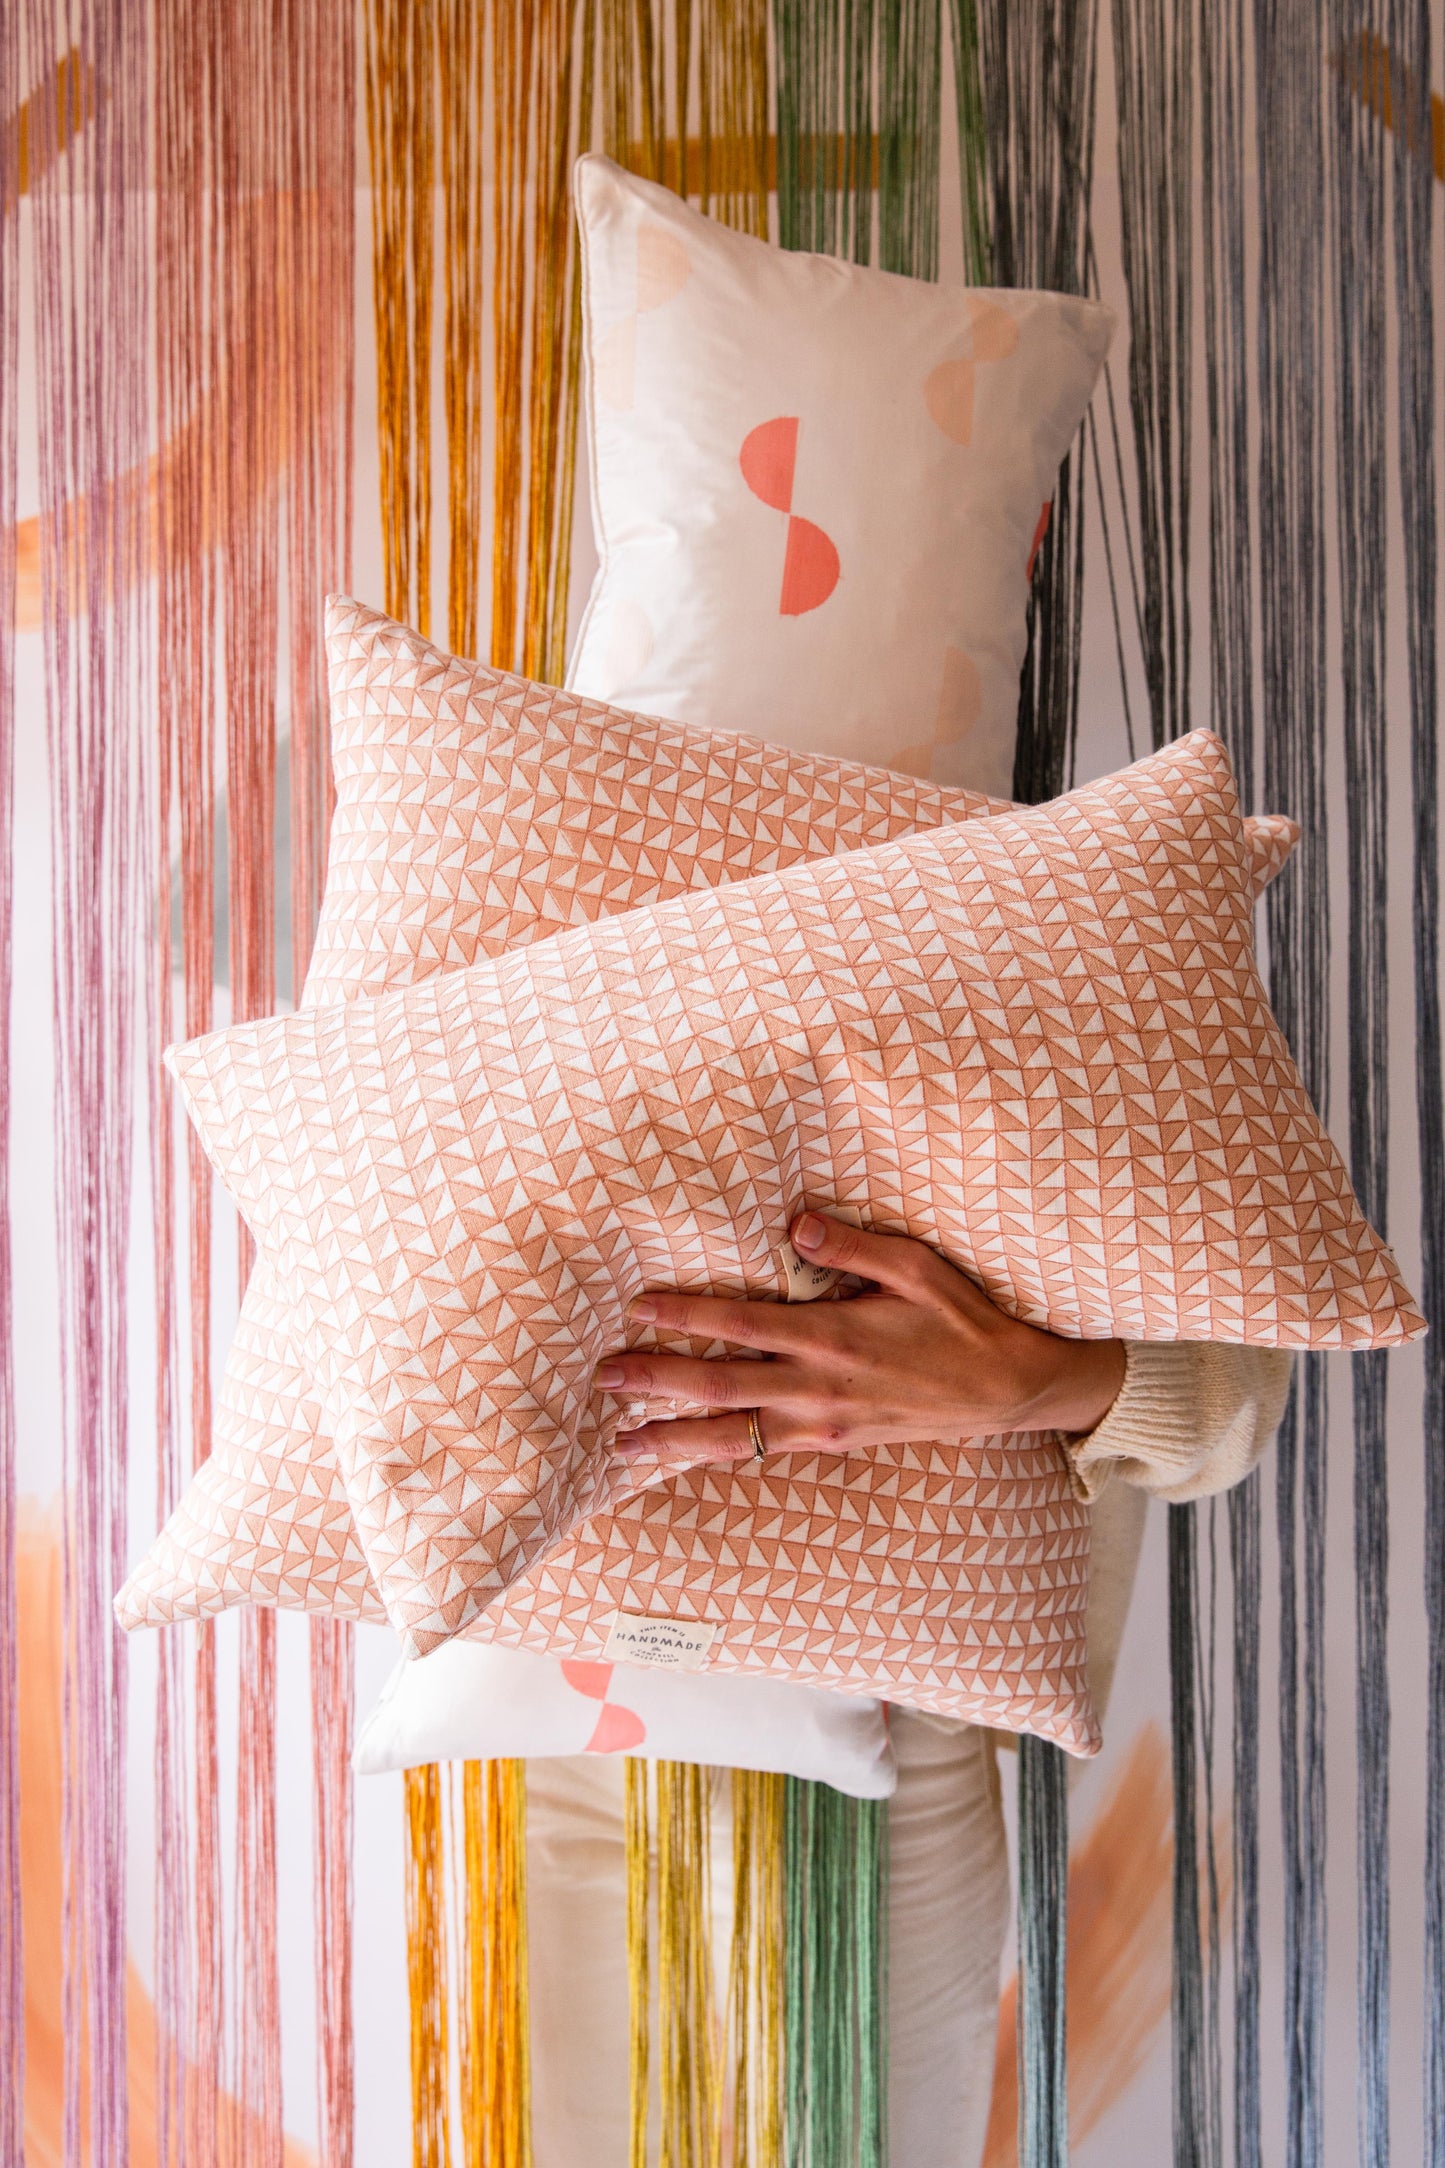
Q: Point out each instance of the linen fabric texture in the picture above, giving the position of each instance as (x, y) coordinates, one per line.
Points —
(1038, 1042)
(475, 811)
(811, 479)
(472, 1701)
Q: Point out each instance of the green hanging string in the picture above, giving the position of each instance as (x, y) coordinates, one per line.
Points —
(834, 1851)
(972, 142)
(858, 103)
(908, 116)
(824, 77)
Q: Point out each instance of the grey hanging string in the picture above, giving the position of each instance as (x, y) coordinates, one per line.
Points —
(1244, 1563)
(1190, 2089)
(1357, 249)
(1024, 73)
(1289, 80)
(1043, 1823)
(1222, 81)
(1024, 69)
(1035, 90)
(1416, 263)
(1152, 54)
(1155, 77)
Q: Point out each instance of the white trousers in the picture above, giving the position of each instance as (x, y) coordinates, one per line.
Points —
(948, 1914)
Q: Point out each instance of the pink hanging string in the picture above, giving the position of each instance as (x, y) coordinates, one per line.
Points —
(91, 325)
(317, 419)
(251, 153)
(189, 1909)
(247, 113)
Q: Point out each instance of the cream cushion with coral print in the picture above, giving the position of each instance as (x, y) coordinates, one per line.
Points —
(1038, 1042)
(472, 1701)
(474, 812)
(817, 488)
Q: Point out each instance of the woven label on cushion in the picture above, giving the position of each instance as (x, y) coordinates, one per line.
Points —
(476, 811)
(1038, 1042)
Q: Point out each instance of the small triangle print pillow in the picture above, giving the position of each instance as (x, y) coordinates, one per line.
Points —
(1038, 1042)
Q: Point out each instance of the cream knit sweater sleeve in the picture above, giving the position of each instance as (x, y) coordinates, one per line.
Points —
(1191, 1418)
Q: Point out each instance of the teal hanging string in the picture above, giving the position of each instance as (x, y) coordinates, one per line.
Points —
(1416, 253)
(1356, 199)
(1043, 1822)
(1290, 75)
(1232, 649)
(1154, 72)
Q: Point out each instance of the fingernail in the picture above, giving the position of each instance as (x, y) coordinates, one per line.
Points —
(608, 1374)
(809, 1233)
(644, 1310)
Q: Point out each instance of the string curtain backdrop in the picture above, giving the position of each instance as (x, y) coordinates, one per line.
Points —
(290, 304)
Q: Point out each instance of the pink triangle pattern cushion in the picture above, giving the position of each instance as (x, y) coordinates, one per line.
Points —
(1038, 1042)
(475, 812)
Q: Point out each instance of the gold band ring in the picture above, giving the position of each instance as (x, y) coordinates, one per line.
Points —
(755, 1432)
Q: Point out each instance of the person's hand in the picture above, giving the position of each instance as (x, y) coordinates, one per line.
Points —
(921, 1354)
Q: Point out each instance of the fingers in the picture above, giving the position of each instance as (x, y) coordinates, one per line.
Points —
(647, 1375)
(689, 1442)
(896, 1262)
(767, 1325)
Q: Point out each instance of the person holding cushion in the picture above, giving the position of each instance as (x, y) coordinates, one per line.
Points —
(921, 1349)
(923, 1352)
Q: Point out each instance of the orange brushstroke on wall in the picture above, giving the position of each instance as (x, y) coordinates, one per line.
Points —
(38, 1593)
(1371, 72)
(1119, 1949)
(730, 162)
(73, 89)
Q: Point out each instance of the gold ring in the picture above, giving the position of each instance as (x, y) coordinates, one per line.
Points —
(755, 1432)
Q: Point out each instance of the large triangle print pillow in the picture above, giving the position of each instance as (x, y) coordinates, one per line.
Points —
(476, 812)
(1038, 1042)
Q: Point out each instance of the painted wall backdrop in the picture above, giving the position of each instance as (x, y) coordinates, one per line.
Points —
(288, 302)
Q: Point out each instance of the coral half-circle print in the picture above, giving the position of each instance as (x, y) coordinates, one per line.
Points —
(662, 271)
(948, 390)
(768, 460)
(1038, 541)
(618, 1730)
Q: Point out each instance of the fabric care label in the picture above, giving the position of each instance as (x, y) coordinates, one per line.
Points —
(658, 1644)
(805, 1282)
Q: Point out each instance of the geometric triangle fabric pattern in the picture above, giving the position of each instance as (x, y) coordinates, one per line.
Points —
(1038, 1042)
(476, 811)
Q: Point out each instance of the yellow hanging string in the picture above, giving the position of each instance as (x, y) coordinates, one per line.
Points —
(731, 169)
(459, 73)
(426, 1954)
(689, 2064)
(496, 2020)
(756, 1971)
(541, 117)
(639, 1971)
